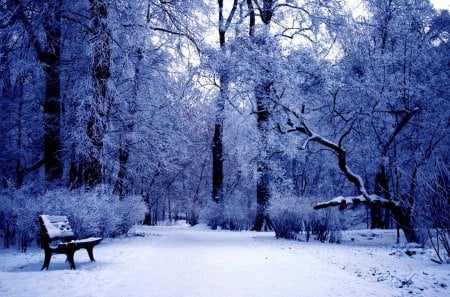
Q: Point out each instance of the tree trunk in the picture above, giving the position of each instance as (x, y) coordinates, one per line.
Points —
(101, 104)
(50, 60)
(263, 183)
(20, 173)
(380, 217)
(262, 95)
(404, 219)
(217, 146)
(119, 185)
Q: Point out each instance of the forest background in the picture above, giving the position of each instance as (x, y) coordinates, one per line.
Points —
(244, 114)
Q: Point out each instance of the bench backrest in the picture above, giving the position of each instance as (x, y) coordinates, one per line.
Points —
(55, 227)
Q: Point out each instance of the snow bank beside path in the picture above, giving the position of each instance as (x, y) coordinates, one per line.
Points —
(182, 261)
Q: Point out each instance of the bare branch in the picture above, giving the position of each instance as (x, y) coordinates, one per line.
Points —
(399, 128)
(341, 139)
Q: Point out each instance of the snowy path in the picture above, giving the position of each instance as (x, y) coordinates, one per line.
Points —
(185, 262)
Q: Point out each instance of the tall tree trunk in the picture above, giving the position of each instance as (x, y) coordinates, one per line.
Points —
(129, 126)
(97, 123)
(75, 172)
(404, 219)
(262, 95)
(262, 220)
(50, 60)
(52, 103)
(217, 146)
(20, 173)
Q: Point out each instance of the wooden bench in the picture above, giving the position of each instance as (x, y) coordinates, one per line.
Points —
(57, 228)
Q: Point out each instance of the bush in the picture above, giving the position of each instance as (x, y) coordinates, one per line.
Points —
(291, 219)
(325, 225)
(232, 214)
(287, 217)
(93, 213)
(435, 212)
(18, 218)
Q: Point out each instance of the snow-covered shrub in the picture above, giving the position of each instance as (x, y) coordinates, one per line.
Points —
(238, 214)
(234, 213)
(293, 217)
(326, 225)
(287, 217)
(91, 213)
(96, 212)
(434, 216)
(212, 214)
(18, 217)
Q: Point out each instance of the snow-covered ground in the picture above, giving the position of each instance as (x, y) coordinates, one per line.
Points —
(182, 261)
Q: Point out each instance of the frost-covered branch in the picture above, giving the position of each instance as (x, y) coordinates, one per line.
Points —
(343, 202)
(342, 157)
(363, 196)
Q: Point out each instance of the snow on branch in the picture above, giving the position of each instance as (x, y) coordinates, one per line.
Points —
(343, 202)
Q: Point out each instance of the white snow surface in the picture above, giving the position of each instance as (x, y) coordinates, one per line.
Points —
(182, 261)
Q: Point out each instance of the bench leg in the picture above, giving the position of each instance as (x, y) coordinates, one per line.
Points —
(47, 258)
(90, 251)
(70, 255)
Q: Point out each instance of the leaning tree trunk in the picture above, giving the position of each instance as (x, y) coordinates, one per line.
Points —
(101, 104)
